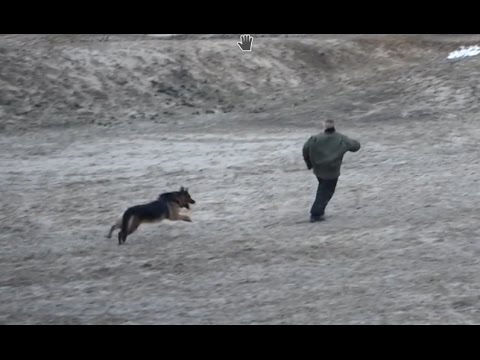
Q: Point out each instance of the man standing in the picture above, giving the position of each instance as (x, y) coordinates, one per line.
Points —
(324, 153)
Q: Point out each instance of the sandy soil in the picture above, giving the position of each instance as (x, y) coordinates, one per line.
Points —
(90, 125)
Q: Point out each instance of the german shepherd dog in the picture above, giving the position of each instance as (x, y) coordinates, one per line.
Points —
(167, 206)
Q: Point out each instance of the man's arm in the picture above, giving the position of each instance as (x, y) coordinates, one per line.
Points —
(306, 153)
(352, 145)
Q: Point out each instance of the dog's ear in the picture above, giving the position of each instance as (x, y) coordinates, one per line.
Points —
(186, 190)
(181, 189)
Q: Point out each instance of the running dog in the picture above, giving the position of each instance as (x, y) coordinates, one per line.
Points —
(167, 206)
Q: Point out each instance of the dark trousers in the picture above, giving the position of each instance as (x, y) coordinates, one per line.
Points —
(325, 191)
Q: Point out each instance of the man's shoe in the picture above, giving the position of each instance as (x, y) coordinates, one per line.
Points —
(316, 218)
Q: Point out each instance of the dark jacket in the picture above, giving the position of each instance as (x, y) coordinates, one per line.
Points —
(324, 153)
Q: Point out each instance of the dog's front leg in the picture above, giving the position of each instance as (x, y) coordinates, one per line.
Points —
(184, 218)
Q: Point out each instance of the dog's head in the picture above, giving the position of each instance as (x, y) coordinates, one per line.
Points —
(184, 198)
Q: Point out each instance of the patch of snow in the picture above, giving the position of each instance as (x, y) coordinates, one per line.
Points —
(464, 52)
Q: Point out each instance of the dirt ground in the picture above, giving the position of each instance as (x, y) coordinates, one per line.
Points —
(90, 125)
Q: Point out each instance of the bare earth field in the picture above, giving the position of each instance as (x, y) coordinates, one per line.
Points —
(90, 125)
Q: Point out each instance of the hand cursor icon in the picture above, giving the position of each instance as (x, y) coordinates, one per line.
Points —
(245, 43)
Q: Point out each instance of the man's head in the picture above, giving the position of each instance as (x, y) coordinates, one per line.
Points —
(329, 125)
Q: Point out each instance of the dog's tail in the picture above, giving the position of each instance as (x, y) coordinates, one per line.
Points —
(122, 235)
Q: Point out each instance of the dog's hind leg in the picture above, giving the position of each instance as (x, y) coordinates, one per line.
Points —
(109, 235)
(121, 238)
(117, 225)
(133, 223)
